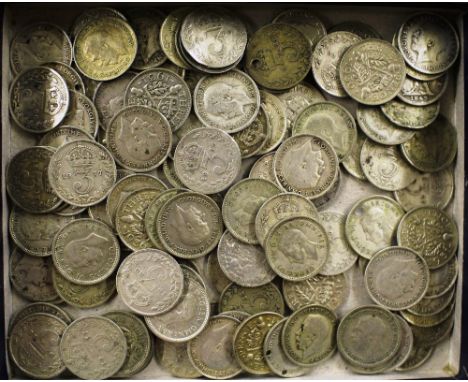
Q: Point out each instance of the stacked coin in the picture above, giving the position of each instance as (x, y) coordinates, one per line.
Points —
(216, 224)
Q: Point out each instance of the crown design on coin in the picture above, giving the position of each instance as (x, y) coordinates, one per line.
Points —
(81, 157)
(284, 209)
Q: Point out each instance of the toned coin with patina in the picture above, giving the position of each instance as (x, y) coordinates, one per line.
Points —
(352, 163)
(150, 282)
(253, 138)
(70, 75)
(64, 134)
(372, 223)
(432, 335)
(93, 14)
(418, 356)
(409, 116)
(422, 93)
(431, 232)
(173, 357)
(168, 36)
(275, 112)
(304, 20)
(431, 306)
(263, 168)
(82, 114)
(432, 320)
(38, 307)
(442, 279)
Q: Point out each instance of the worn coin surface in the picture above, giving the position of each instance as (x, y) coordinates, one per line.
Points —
(263, 168)
(93, 14)
(63, 134)
(352, 163)
(442, 279)
(168, 35)
(433, 335)
(406, 346)
(173, 357)
(105, 48)
(304, 20)
(372, 72)
(418, 356)
(358, 28)
(326, 57)
(278, 56)
(309, 335)
(170, 174)
(34, 345)
(207, 160)
(396, 278)
(275, 112)
(150, 282)
(432, 320)
(371, 224)
(39, 307)
(431, 232)
(82, 114)
(93, 347)
(422, 93)
(431, 306)
(70, 75)
(411, 117)
(253, 138)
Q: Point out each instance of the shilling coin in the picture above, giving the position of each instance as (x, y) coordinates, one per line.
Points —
(64, 134)
(379, 128)
(93, 14)
(105, 48)
(248, 341)
(263, 168)
(328, 291)
(362, 74)
(186, 319)
(409, 116)
(265, 298)
(422, 93)
(309, 335)
(82, 173)
(418, 356)
(34, 345)
(173, 357)
(331, 122)
(278, 56)
(150, 282)
(352, 163)
(385, 167)
(99, 212)
(241, 204)
(93, 348)
(70, 75)
(432, 335)
(168, 35)
(237, 314)
(207, 160)
(39, 99)
(170, 174)
(39, 307)
(371, 224)
(326, 58)
(85, 251)
(278, 208)
(433, 148)
(138, 339)
(275, 112)
(396, 278)
(431, 306)
(37, 44)
(358, 28)
(211, 352)
(307, 165)
(429, 321)
(341, 256)
(253, 138)
(228, 101)
(242, 263)
(189, 225)
(162, 90)
(275, 357)
(297, 248)
(442, 279)
(429, 43)
(429, 189)
(430, 232)
(82, 114)
(27, 183)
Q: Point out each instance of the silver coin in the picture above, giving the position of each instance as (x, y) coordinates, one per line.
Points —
(64, 134)
(82, 114)
(352, 163)
(70, 75)
(407, 344)
(325, 200)
(422, 93)
(263, 168)
(276, 116)
(432, 306)
(442, 279)
(93, 14)
(173, 357)
(68, 210)
(99, 212)
(39, 307)
(409, 116)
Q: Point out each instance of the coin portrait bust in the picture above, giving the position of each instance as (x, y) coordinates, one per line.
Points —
(41, 47)
(139, 138)
(226, 101)
(312, 333)
(85, 253)
(190, 225)
(374, 226)
(220, 339)
(397, 279)
(296, 247)
(428, 44)
(103, 48)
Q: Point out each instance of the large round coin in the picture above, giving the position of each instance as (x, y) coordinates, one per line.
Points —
(409, 116)
(207, 160)
(396, 278)
(93, 348)
(150, 282)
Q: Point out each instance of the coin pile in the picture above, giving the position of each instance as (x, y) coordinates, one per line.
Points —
(213, 227)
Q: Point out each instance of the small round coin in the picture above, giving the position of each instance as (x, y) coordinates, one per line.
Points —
(173, 357)
(432, 320)
(93, 14)
(39, 307)
(442, 279)
(433, 335)
(409, 116)
(422, 93)
(263, 168)
(432, 306)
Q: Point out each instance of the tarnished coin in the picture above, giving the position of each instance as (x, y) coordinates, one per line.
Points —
(309, 335)
(173, 357)
(363, 30)
(39, 99)
(253, 138)
(275, 357)
(186, 319)
(331, 122)
(409, 116)
(432, 335)
(396, 278)
(278, 56)
(429, 43)
(64, 134)
(328, 291)
(372, 72)
(228, 101)
(326, 58)
(82, 173)
(385, 167)
(304, 20)
(37, 44)
(139, 342)
(442, 279)
(433, 148)
(85, 251)
(39, 307)
(418, 356)
(431, 306)
(211, 352)
(34, 345)
(168, 35)
(241, 204)
(248, 341)
(265, 298)
(422, 93)
(207, 160)
(307, 165)
(162, 90)
(263, 168)
(105, 48)
(275, 112)
(31, 276)
(150, 282)
(341, 256)
(371, 224)
(278, 208)
(379, 128)
(93, 348)
(82, 114)
(297, 248)
(99, 212)
(432, 320)
(429, 189)
(430, 232)
(70, 75)
(242, 263)
(352, 163)
(93, 14)
(237, 314)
